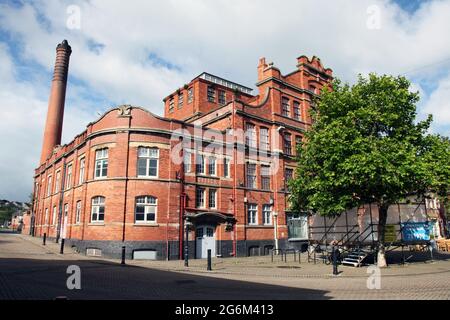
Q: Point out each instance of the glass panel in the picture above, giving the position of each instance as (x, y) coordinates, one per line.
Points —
(199, 232)
(142, 167)
(209, 232)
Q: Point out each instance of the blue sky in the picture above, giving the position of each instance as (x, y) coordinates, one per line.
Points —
(139, 53)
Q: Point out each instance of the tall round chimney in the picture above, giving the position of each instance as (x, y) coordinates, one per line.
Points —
(55, 113)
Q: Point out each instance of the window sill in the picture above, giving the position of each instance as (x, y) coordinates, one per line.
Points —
(259, 226)
(99, 224)
(147, 177)
(146, 225)
(297, 239)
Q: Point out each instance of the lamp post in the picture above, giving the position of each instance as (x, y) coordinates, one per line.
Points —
(275, 229)
(187, 225)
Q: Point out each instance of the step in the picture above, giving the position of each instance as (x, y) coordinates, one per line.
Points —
(351, 260)
(354, 264)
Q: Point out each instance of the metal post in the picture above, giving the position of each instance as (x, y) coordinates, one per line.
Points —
(123, 255)
(186, 245)
(271, 253)
(209, 260)
(44, 239)
(335, 267)
(61, 251)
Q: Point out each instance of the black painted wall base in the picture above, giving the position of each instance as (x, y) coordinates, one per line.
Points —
(170, 251)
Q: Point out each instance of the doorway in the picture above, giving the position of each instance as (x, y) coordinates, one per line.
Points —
(205, 240)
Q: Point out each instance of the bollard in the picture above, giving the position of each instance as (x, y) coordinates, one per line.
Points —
(209, 260)
(272, 255)
(123, 256)
(44, 239)
(335, 268)
(61, 251)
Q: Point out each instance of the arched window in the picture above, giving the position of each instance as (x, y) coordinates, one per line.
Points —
(146, 209)
(98, 209)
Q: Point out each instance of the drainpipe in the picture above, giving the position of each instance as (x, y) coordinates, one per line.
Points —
(61, 201)
(234, 252)
(126, 182)
(275, 227)
(182, 205)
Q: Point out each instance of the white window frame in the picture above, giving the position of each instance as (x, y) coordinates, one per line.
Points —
(267, 214)
(265, 175)
(95, 209)
(82, 170)
(212, 192)
(254, 185)
(187, 160)
(148, 157)
(54, 216)
(49, 185)
(78, 212)
(57, 180)
(190, 97)
(200, 195)
(149, 202)
(286, 112)
(250, 135)
(199, 157)
(212, 164)
(69, 176)
(101, 157)
(264, 140)
(227, 167)
(252, 208)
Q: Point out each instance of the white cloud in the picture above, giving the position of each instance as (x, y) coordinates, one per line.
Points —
(225, 37)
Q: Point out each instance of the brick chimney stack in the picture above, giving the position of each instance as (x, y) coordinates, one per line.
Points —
(55, 112)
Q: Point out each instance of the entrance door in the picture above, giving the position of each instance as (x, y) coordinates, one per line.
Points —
(205, 240)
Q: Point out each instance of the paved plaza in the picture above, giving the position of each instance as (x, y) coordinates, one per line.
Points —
(29, 270)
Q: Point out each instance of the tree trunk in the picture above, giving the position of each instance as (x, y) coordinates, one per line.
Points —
(382, 217)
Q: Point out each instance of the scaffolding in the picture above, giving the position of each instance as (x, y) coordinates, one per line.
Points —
(357, 229)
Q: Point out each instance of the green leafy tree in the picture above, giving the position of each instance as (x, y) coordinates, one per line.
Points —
(365, 146)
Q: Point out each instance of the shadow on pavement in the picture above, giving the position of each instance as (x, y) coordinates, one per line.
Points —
(46, 279)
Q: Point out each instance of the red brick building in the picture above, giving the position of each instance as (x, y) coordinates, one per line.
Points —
(218, 162)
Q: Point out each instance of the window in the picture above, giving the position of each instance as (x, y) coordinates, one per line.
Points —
(297, 225)
(49, 185)
(212, 166)
(66, 210)
(285, 108)
(82, 168)
(54, 216)
(212, 198)
(148, 162)
(145, 209)
(251, 175)
(57, 181)
(250, 135)
(222, 97)
(265, 177)
(287, 144)
(297, 114)
(180, 100)
(313, 89)
(78, 212)
(171, 105)
(264, 138)
(190, 95)
(211, 94)
(46, 216)
(267, 214)
(98, 209)
(69, 176)
(200, 198)
(288, 175)
(187, 161)
(298, 143)
(101, 163)
(252, 214)
(226, 167)
(200, 164)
